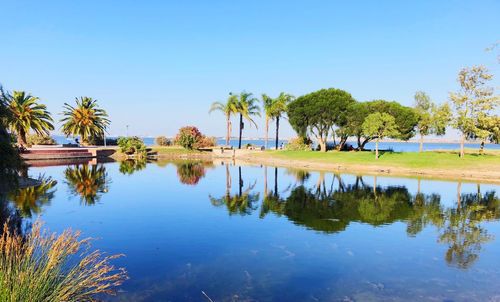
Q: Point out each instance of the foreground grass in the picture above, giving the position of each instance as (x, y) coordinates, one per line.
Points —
(438, 160)
(45, 267)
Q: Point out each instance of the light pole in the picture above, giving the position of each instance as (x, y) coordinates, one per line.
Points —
(127, 130)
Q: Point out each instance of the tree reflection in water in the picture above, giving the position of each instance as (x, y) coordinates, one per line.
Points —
(331, 207)
(88, 182)
(191, 172)
(30, 200)
(130, 166)
(242, 203)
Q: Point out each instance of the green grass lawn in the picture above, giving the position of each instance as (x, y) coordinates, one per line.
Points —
(430, 159)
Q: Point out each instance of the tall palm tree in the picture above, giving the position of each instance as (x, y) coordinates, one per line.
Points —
(228, 108)
(267, 105)
(27, 114)
(246, 107)
(86, 119)
(278, 109)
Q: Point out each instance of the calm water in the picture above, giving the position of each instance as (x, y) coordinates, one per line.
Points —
(188, 227)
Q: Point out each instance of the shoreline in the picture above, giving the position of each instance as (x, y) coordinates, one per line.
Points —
(475, 170)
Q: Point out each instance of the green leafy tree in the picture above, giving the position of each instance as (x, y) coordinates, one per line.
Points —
(405, 119)
(132, 146)
(246, 106)
(86, 119)
(26, 114)
(318, 112)
(432, 119)
(229, 109)
(474, 103)
(380, 125)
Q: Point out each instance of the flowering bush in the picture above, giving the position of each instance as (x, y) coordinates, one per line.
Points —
(190, 138)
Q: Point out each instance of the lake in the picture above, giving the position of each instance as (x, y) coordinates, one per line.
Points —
(252, 233)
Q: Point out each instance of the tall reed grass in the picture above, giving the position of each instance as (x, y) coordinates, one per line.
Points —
(42, 266)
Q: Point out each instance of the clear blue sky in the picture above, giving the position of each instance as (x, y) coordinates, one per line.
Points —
(157, 65)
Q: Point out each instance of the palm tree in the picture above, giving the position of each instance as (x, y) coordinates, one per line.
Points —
(267, 105)
(27, 114)
(279, 108)
(87, 182)
(228, 108)
(86, 119)
(246, 107)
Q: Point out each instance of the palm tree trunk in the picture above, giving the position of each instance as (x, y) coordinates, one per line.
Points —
(240, 190)
(21, 138)
(277, 131)
(265, 180)
(241, 130)
(228, 134)
(228, 180)
(421, 147)
(275, 181)
(267, 131)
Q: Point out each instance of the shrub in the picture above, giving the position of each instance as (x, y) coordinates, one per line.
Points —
(44, 267)
(132, 146)
(35, 139)
(163, 141)
(190, 137)
(206, 141)
(298, 144)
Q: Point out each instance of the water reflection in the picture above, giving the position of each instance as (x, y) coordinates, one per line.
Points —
(242, 203)
(130, 166)
(331, 207)
(88, 182)
(30, 200)
(191, 172)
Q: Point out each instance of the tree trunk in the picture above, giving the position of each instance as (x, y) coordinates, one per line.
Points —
(21, 138)
(421, 147)
(228, 180)
(265, 180)
(363, 144)
(343, 140)
(276, 181)
(376, 149)
(277, 131)
(462, 141)
(267, 131)
(360, 148)
(241, 130)
(228, 134)
(322, 144)
(240, 190)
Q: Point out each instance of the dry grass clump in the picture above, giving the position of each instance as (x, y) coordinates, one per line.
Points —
(47, 267)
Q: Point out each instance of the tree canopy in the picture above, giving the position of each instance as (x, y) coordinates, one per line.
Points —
(318, 112)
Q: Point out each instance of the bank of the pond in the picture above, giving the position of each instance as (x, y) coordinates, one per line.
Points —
(444, 165)
(431, 164)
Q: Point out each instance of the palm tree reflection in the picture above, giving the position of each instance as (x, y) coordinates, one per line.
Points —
(332, 207)
(243, 203)
(30, 200)
(88, 182)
